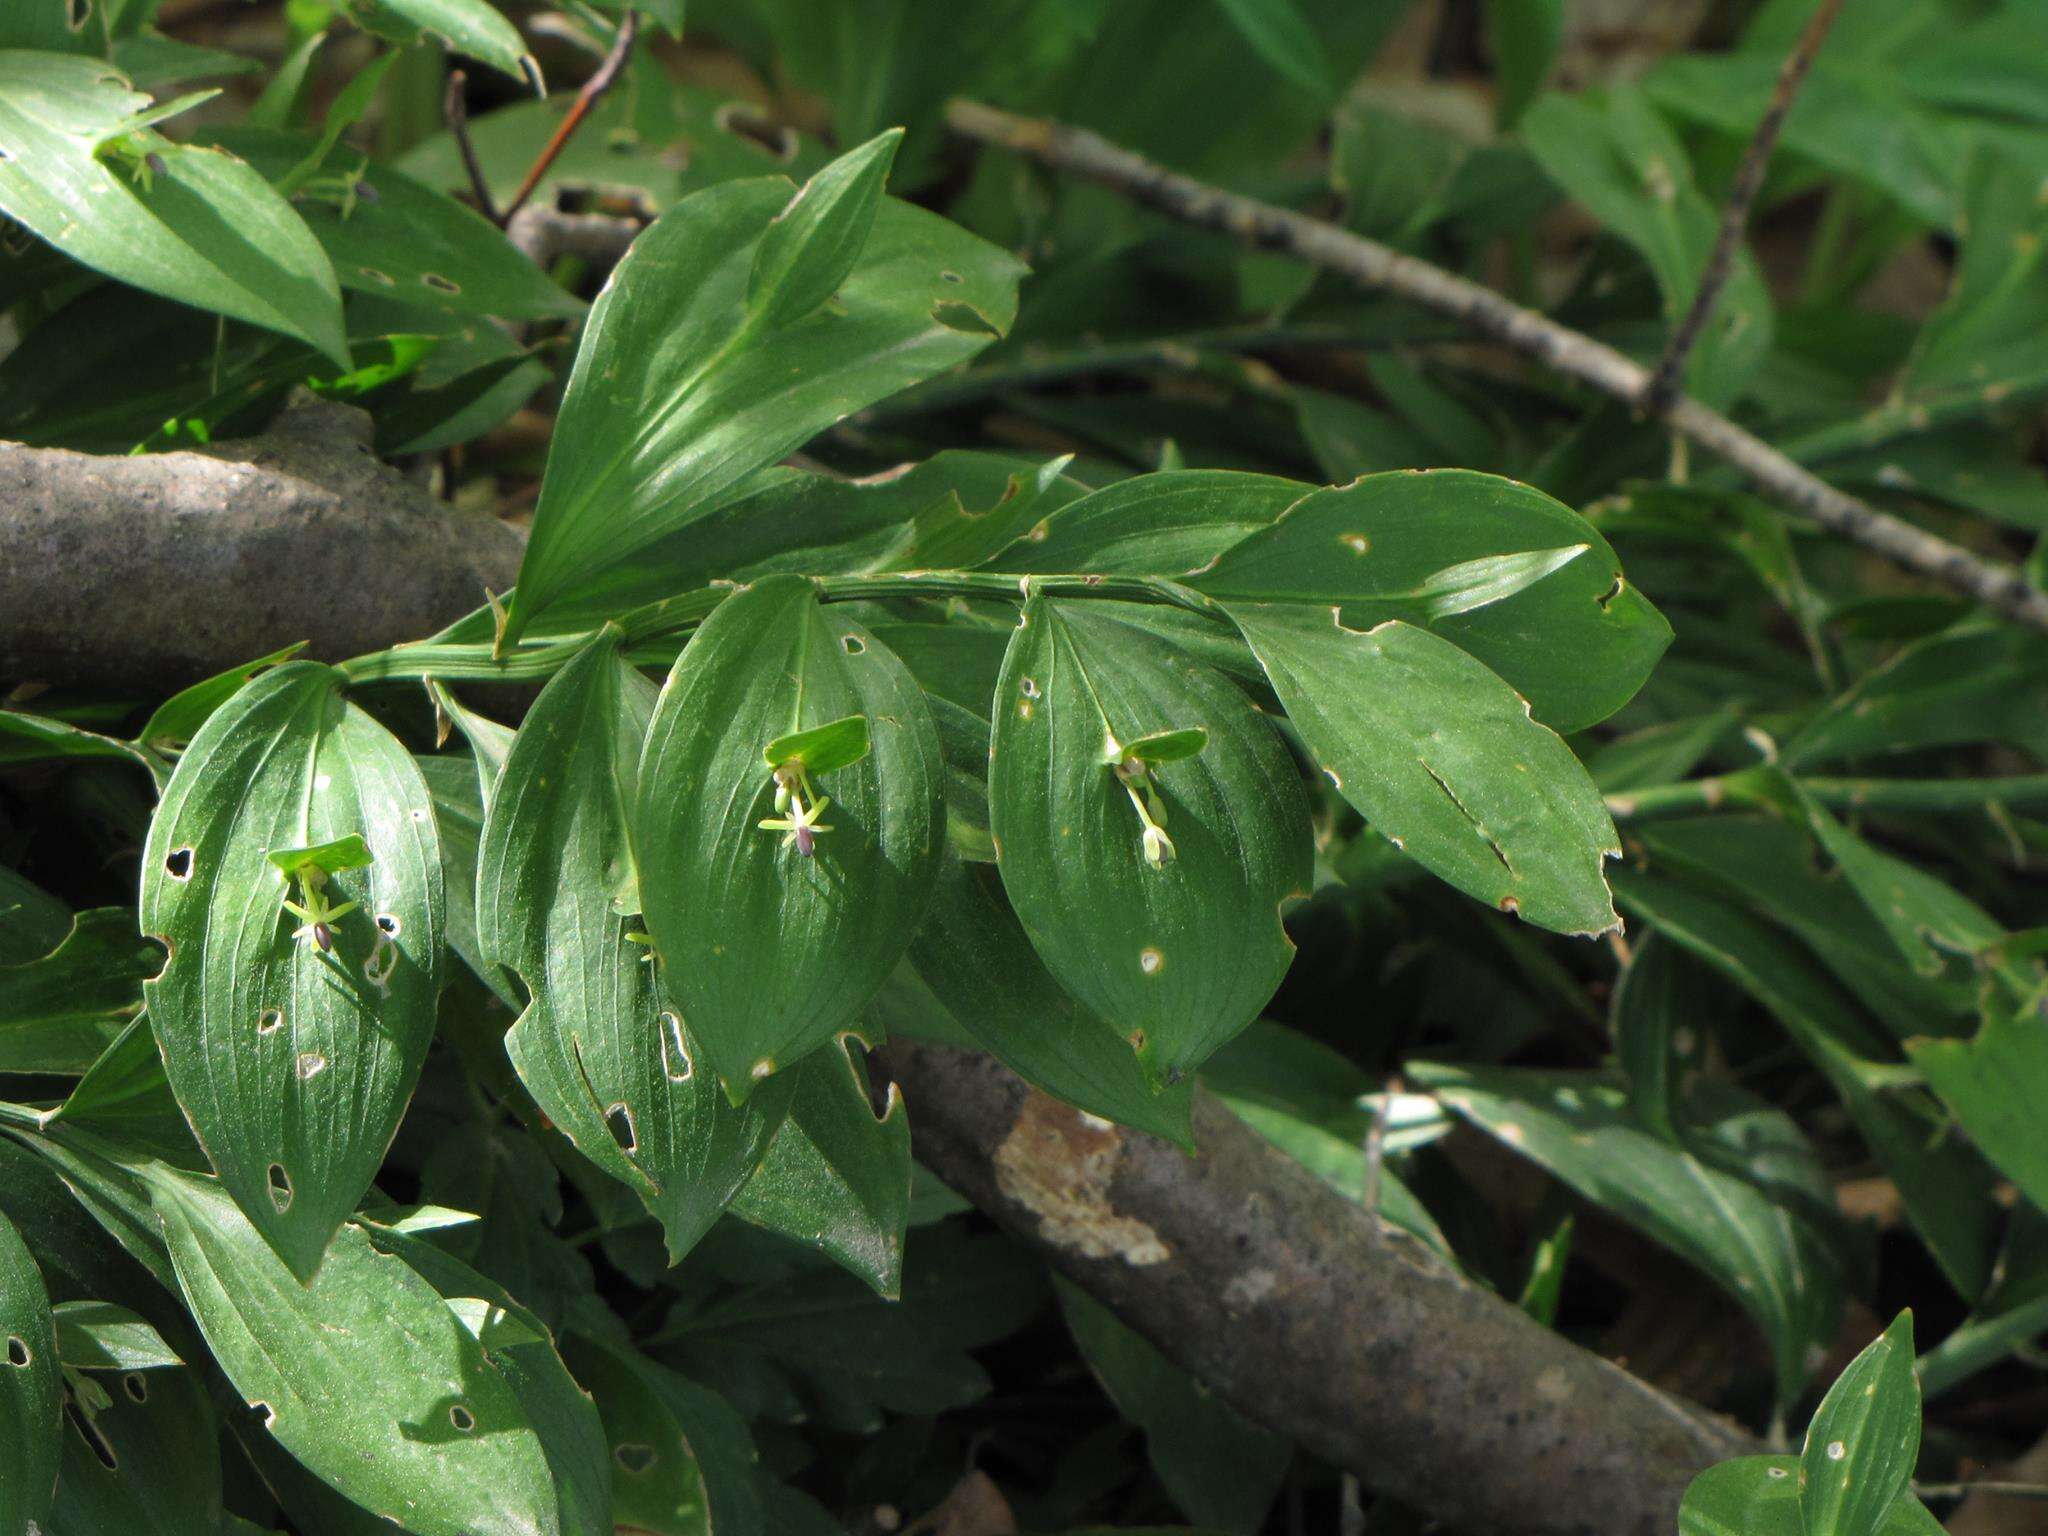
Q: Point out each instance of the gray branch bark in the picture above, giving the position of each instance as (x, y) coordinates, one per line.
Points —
(1559, 348)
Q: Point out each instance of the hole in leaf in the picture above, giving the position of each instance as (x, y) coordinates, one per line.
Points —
(280, 1188)
(269, 1021)
(18, 1354)
(136, 1385)
(89, 1432)
(619, 1120)
(675, 1052)
(951, 277)
(1029, 688)
(852, 644)
(265, 1412)
(387, 924)
(178, 864)
(311, 1065)
(1357, 543)
(634, 1460)
(378, 277)
(440, 284)
(742, 122)
(1150, 961)
(77, 13)
(461, 1418)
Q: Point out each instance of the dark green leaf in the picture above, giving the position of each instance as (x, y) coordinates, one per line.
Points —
(812, 245)
(31, 1388)
(1863, 1440)
(99, 1336)
(1759, 1496)
(58, 1013)
(148, 1460)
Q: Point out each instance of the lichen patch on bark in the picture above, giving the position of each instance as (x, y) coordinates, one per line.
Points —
(1058, 1163)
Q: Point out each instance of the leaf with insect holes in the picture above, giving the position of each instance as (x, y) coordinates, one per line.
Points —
(681, 390)
(1863, 1439)
(770, 951)
(205, 229)
(1153, 891)
(602, 1053)
(1502, 571)
(31, 1388)
(838, 1176)
(148, 1459)
(364, 1374)
(293, 1041)
(1442, 758)
(1759, 1496)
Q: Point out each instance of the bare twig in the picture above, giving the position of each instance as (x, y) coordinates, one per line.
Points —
(1749, 179)
(1312, 1317)
(1383, 269)
(455, 110)
(593, 89)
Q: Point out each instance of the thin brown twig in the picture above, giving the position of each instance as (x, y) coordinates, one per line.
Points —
(1565, 351)
(455, 111)
(1749, 180)
(587, 98)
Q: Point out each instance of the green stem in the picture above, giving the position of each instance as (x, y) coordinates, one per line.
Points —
(1750, 789)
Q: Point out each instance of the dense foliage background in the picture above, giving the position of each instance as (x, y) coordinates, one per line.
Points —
(490, 1058)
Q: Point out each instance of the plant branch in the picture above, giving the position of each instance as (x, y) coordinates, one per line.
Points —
(1310, 1316)
(1915, 796)
(455, 110)
(1571, 353)
(593, 89)
(1749, 180)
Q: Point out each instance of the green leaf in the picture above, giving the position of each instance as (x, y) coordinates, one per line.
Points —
(1992, 1084)
(679, 392)
(1523, 35)
(1657, 1038)
(31, 1389)
(1279, 35)
(331, 858)
(1759, 1496)
(1613, 153)
(1175, 945)
(126, 1095)
(1442, 758)
(99, 1336)
(1222, 1470)
(364, 1374)
(771, 953)
(390, 235)
(838, 1175)
(1941, 1181)
(293, 1062)
(1475, 558)
(972, 978)
(27, 738)
(822, 748)
(614, 1068)
(150, 1461)
(1173, 523)
(1762, 1246)
(812, 245)
(1863, 1439)
(58, 1013)
(461, 26)
(206, 230)
(1168, 746)
(176, 721)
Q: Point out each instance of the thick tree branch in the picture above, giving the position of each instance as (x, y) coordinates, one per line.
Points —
(1485, 312)
(161, 568)
(1749, 180)
(1307, 1315)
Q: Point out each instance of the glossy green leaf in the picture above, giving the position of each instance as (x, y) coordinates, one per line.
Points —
(126, 1095)
(59, 1012)
(31, 1388)
(1222, 1470)
(770, 952)
(390, 235)
(147, 1460)
(679, 392)
(293, 1062)
(612, 1065)
(837, 1175)
(205, 230)
(331, 858)
(1172, 523)
(364, 1374)
(1174, 941)
(1443, 759)
(1863, 1440)
(811, 247)
(1576, 640)
(972, 978)
(27, 738)
(823, 748)
(99, 1336)
(1759, 1496)
(471, 27)
(1771, 1255)
(682, 1462)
